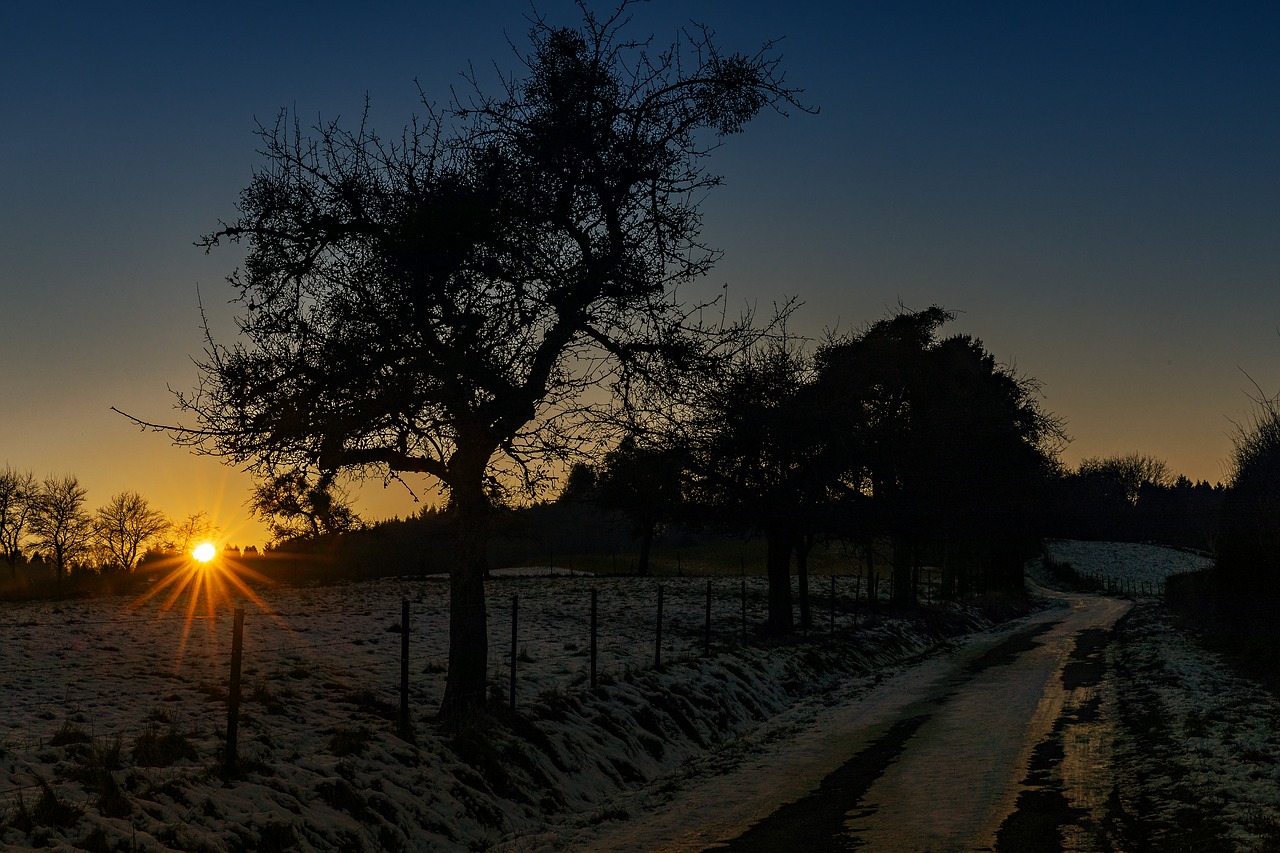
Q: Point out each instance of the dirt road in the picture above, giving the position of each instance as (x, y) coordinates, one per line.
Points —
(1002, 744)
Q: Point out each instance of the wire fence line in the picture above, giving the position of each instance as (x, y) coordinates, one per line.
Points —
(332, 657)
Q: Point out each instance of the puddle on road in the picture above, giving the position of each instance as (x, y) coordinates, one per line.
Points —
(821, 820)
(1070, 780)
(1009, 747)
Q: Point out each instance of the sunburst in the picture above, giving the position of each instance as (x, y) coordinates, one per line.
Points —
(201, 582)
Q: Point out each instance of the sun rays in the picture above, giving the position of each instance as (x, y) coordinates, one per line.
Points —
(201, 583)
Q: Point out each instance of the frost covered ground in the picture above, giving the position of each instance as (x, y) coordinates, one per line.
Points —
(1198, 748)
(114, 716)
(114, 710)
(1139, 566)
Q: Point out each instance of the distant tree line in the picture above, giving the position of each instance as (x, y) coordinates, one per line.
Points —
(48, 522)
(50, 536)
(1136, 498)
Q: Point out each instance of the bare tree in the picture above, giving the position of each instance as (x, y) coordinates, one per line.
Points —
(760, 459)
(439, 303)
(17, 502)
(124, 527)
(60, 522)
(1127, 474)
(190, 532)
(644, 483)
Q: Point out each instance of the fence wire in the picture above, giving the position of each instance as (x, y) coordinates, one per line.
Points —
(321, 659)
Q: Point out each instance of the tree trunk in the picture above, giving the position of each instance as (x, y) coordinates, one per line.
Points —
(964, 571)
(646, 546)
(903, 572)
(869, 551)
(947, 592)
(778, 566)
(465, 687)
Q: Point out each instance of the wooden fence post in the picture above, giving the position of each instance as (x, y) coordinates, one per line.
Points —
(706, 646)
(404, 669)
(593, 639)
(233, 693)
(515, 611)
(657, 645)
(857, 591)
(831, 622)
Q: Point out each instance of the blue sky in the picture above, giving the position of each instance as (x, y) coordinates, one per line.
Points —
(1094, 186)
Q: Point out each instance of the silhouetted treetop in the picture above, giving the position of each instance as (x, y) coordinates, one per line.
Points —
(440, 301)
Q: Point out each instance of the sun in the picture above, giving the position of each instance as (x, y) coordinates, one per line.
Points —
(204, 582)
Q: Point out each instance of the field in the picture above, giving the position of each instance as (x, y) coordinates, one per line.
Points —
(116, 711)
(117, 708)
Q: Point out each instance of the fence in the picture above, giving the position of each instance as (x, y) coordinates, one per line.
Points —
(1120, 585)
(244, 678)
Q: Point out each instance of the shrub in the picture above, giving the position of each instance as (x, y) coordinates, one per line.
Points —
(1249, 540)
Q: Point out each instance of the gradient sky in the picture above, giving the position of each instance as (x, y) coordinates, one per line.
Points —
(1094, 186)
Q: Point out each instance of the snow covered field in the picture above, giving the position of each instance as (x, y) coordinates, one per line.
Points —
(115, 711)
(1135, 564)
(114, 714)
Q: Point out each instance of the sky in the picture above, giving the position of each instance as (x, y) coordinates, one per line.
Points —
(1094, 187)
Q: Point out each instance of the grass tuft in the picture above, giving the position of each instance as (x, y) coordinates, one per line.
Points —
(157, 748)
(348, 742)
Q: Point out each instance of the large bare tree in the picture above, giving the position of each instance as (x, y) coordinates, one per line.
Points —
(440, 302)
(760, 456)
(124, 527)
(61, 524)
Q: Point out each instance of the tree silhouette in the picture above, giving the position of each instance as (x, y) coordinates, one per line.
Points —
(1123, 476)
(124, 527)
(762, 441)
(438, 303)
(60, 522)
(1100, 499)
(296, 506)
(18, 493)
(984, 454)
(644, 483)
(951, 447)
(579, 484)
(191, 531)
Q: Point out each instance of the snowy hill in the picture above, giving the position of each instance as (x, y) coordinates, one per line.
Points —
(116, 711)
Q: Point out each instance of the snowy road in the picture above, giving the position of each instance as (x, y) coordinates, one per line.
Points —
(1000, 745)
